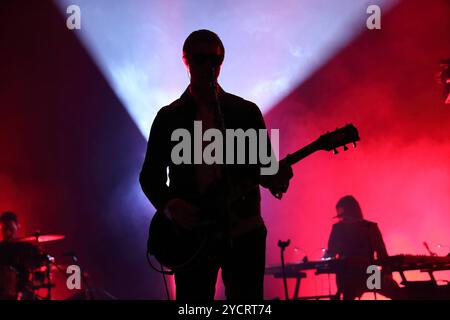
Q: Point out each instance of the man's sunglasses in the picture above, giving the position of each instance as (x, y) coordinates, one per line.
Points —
(199, 59)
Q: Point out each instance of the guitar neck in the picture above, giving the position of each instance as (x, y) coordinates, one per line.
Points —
(302, 153)
(291, 159)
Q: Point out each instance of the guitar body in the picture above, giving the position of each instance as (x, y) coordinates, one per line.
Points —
(174, 247)
(179, 249)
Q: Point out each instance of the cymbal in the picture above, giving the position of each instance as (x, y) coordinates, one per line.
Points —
(40, 238)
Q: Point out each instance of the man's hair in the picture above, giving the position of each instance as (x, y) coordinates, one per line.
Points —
(8, 216)
(203, 35)
(352, 209)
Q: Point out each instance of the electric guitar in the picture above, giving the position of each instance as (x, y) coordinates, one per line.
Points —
(178, 249)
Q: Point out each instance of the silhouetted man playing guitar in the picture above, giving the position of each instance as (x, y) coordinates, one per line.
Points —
(239, 248)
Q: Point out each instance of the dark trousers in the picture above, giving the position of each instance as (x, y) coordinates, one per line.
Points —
(242, 264)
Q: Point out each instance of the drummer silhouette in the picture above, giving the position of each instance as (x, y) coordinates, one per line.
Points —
(16, 259)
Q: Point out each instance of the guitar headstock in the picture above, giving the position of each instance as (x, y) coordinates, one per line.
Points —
(338, 138)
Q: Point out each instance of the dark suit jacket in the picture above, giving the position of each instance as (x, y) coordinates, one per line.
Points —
(359, 238)
(238, 113)
(358, 241)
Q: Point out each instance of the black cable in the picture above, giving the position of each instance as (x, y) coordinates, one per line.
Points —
(165, 283)
(162, 272)
(158, 270)
(185, 263)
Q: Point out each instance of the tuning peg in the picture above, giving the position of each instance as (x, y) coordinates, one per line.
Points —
(335, 151)
(345, 147)
(354, 144)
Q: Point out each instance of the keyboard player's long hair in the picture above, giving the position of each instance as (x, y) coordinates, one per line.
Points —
(351, 210)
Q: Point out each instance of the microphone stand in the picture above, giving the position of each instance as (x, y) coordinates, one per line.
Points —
(88, 294)
(283, 245)
(88, 290)
(432, 254)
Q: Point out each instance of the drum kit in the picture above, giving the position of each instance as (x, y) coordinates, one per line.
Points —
(26, 269)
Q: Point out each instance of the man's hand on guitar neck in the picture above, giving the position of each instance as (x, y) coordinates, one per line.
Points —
(279, 183)
(182, 213)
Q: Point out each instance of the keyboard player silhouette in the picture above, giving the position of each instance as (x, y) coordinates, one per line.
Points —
(358, 240)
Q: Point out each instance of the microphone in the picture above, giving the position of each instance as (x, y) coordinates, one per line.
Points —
(284, 244)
